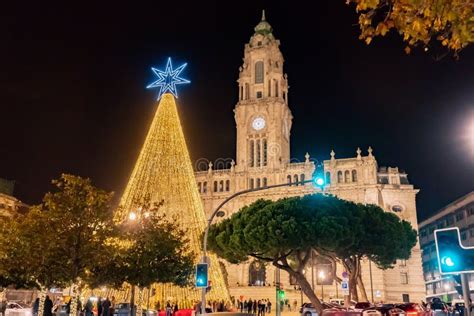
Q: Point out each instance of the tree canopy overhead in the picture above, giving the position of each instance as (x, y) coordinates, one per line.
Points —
(285, 232)
(419, 22)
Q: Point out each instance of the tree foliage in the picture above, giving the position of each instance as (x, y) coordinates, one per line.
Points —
(285, 232)
(150, 249)
(419, 22)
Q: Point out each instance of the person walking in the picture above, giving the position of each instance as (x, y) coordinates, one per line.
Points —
(112, 306)
(269, 306)
(254, 307)
(106, 307)
(99, 307)
(249, 306)
(241, 306)
(48, 307)
(35, 307)
(168, 309)
(88, 308)
(3, 306)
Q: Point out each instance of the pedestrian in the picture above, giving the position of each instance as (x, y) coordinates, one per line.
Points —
(175, 308)
(249, 306)
(106, 307)
(88, 308)
(168, 309)
(241, 306)
(3, 306)
(68, 307)
(99, 307)
(48, 307)
(112, 306)
(295, 305)
(269, 306)
(35, 307)
(254, 306)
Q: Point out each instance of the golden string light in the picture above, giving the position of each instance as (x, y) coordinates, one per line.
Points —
(164, 171)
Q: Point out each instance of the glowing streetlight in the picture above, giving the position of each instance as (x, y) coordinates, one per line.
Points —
(132, 216)
(322, 275)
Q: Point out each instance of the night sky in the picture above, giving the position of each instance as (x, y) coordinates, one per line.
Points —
(73, 97)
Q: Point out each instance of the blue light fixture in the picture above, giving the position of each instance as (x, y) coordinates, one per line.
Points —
(168, 79)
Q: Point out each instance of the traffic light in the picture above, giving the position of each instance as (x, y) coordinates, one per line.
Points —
(453, 257)
(318, 177)
(202, 279)
(281, 294)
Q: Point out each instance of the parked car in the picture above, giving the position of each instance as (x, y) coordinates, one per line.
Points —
(340, 302)
(123, 309)
(439, 308)
(18, 309)
(307, 309)
(367, 309)
(390, 310)
(359, 307)
(413, 309)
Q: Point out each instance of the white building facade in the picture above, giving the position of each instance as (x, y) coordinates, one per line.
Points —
(263, 121)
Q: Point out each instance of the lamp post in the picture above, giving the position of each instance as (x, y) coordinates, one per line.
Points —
(322, 276)
(318, 181)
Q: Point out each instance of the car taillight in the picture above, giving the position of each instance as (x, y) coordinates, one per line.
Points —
(412, 313)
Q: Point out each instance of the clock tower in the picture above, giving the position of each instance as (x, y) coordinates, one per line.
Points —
(262, 115)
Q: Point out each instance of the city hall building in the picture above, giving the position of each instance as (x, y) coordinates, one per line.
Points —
(263, 120)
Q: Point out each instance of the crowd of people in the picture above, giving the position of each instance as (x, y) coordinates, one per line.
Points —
(255, 307)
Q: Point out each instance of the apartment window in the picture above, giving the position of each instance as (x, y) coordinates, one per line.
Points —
(204, 187)
(459, 216)
(471, 232)
(403, 263)
(259, 94)
(252, 153)
(227, 185)
(265, 182)
(221, 186)
(258, 154)
(441, 225)
(200, 186)
(449, 221)
(265, 154)
(404, 278)
(215, 186)
(464, 235)
(258, 183)
(251, 183)
(471, 211)
(288, 178)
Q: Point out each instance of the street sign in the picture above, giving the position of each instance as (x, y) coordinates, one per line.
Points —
(453, 257)
(345, 287)
(345, 275)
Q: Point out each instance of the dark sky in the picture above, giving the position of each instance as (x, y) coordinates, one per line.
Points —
(73, 97)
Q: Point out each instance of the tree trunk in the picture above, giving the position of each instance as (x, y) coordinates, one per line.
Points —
(361, 285)
(306, 288)
(42, 298)
(73, 305)
(132, 300)
(139, 301)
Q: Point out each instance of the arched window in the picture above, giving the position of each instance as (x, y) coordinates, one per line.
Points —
(276, 89)
(257, 274)
(265, 158)
(302, 178)
(241, 92)
(354, 175)
(221, 186)
(265, 182)
(284, 96)
(328, 177)
(295, 179)
(200, 187)
(258, 182)
(288, 179)
(251, 153)
(251, 183)
(269, 88)
(259, 157)
(347, 176)
(227, 185)
(247, 91)
(340, 178)
(215, 186)
(204, 187)
(259, 72)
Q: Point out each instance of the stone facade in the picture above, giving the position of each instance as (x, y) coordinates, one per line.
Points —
(263, 121)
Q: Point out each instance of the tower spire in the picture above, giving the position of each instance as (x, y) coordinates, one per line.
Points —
(263, 15)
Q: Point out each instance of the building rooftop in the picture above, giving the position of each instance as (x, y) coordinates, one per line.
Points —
(448, 209)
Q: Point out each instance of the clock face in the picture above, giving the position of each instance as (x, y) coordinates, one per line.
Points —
(258, 123)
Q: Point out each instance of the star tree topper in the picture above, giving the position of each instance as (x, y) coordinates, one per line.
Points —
(168, 79)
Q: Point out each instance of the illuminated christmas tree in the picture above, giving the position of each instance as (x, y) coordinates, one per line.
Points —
(163, 172)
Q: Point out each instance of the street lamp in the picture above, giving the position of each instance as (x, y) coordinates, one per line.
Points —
(322, 276)
(132, 216)
(317, 180)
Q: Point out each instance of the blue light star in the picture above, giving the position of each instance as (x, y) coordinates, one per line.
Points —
(168, 79)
